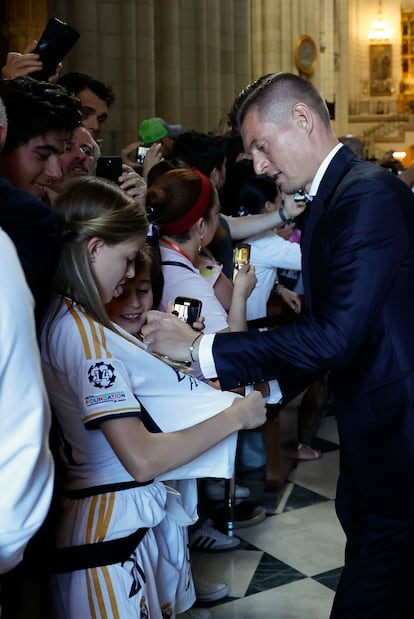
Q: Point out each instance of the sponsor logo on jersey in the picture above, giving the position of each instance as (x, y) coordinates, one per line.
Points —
(102, 375)
(104, 398)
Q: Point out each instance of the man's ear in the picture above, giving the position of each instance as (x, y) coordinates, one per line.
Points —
(303, 116)
(94, 245)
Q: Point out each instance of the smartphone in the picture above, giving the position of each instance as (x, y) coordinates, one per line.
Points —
(142, 153)
(56, 41)
(187, 309)
(241, 257)
(109, 167)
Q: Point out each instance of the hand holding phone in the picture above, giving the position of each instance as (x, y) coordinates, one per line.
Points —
(56, 41)
(142, 153)
(241, 256)
(109, 167)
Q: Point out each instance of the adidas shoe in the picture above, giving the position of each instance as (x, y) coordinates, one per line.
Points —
(205, 537)
(207, 591)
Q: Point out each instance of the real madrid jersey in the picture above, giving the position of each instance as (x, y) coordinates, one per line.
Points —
(93, 374)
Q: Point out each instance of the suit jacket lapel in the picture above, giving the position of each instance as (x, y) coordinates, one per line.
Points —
(317, 208)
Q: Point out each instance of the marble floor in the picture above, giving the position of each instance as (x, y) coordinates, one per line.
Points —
(288, 564)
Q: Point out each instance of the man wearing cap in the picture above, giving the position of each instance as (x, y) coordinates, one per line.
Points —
(152, 131)
(158, 130)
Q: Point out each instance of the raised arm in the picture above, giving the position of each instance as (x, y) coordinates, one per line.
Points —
(242, 227)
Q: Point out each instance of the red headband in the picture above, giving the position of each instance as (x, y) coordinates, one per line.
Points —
(197, 210)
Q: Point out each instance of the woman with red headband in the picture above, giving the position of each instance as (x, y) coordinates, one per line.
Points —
(184, 205)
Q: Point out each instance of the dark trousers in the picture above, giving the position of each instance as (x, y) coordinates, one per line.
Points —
(377, 579)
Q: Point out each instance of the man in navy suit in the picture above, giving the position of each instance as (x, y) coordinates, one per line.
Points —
(358, 274)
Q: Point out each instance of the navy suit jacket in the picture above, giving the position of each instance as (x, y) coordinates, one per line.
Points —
(358, 274)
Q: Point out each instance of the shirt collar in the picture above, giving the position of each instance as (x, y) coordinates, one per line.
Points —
(321, 170)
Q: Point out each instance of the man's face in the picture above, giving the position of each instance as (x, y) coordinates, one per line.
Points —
(78, 157)
(36, 165)
(279, 151)
(94, 111)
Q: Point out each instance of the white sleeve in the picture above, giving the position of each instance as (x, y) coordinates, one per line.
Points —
(26, 463)
(205, 356)
(208, 367)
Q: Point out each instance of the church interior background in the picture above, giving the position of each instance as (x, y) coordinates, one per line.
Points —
(186, 60)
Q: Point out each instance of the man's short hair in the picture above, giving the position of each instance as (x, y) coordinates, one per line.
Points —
(33, 108)
(75, 82)
(273, 93)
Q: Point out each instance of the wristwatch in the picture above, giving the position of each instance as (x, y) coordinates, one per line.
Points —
(284, 217)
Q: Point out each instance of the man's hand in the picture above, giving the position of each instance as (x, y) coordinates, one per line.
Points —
(133, 183)
(25, 64)
(126, 156)
(168, 335)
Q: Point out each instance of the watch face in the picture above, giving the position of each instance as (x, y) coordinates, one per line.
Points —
(306, 54)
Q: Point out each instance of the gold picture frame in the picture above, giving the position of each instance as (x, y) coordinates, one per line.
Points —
(306, 54)
(380, 70)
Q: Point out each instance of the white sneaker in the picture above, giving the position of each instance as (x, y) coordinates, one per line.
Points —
(207, 591)
(216, 490)
(205, 537)
(195, 613)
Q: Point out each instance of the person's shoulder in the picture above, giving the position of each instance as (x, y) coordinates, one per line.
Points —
(12, 196)
(9, 256)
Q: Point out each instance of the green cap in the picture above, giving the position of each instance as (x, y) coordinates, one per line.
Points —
(151, 130)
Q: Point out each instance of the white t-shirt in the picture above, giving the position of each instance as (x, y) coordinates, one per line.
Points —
(268, 252)
(186, 281)
(26, 463)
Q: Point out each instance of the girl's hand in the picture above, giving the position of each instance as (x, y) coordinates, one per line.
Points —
(245, 281)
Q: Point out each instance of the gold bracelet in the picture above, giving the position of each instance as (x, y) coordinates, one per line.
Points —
(191, 347)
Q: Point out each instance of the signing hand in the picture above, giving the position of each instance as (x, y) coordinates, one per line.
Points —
(168, 335)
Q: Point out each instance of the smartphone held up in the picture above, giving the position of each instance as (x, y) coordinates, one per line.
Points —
(241, 257)
(55, 43)
(109, 167)
(142, 153)
(187, 309)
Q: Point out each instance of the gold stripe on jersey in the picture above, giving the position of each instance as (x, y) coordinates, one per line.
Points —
(92, 331)
(75, 315)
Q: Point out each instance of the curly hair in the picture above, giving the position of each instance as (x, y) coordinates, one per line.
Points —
(34, 107)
